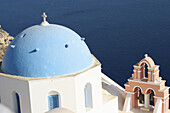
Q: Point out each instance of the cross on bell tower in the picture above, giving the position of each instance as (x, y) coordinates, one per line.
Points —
(44, 23)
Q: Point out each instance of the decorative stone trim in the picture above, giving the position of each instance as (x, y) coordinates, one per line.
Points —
(161, 97)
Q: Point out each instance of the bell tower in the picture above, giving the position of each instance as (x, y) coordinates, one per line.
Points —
(151, 86)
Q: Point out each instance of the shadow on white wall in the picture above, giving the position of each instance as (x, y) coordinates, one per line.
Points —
(4, 109)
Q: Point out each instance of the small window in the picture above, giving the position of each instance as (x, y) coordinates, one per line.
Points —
(66, 46)
(88, 96)
(53, 101)
(18, 103)
(23, 35)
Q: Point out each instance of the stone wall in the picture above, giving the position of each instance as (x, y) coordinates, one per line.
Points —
(5, 40)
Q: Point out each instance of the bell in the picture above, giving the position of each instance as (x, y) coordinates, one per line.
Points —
(139, 94)
(140, 97)
(152, 98)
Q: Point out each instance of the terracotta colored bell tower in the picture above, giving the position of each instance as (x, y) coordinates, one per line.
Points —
(146, 81)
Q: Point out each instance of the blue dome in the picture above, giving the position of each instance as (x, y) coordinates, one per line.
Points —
(46, 51)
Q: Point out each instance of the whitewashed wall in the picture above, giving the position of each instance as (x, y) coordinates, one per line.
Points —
(109, 107)
(71, 90)
(93, 77)
(40, 89)
(8, 86)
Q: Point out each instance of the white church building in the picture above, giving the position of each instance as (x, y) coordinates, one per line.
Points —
(49, 66)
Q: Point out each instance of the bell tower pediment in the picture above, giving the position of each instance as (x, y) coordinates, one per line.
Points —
(152, 70)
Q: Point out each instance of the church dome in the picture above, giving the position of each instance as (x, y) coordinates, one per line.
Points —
(46, 51)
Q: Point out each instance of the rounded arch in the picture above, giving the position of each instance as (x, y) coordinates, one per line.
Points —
(149, 61)
(144, 68)
(53, 93)
(14, 92)
(144, 62)
(138, 87)
(149, 89)
(88, 84)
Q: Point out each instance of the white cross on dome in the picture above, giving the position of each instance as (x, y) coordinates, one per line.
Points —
(44, 23)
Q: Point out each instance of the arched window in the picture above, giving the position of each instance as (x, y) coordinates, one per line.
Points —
(16, 102)
(53, 100)
(88, 96)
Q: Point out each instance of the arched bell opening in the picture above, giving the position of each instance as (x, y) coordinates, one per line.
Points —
(151, 98)
(144, 69)
(139, 96)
